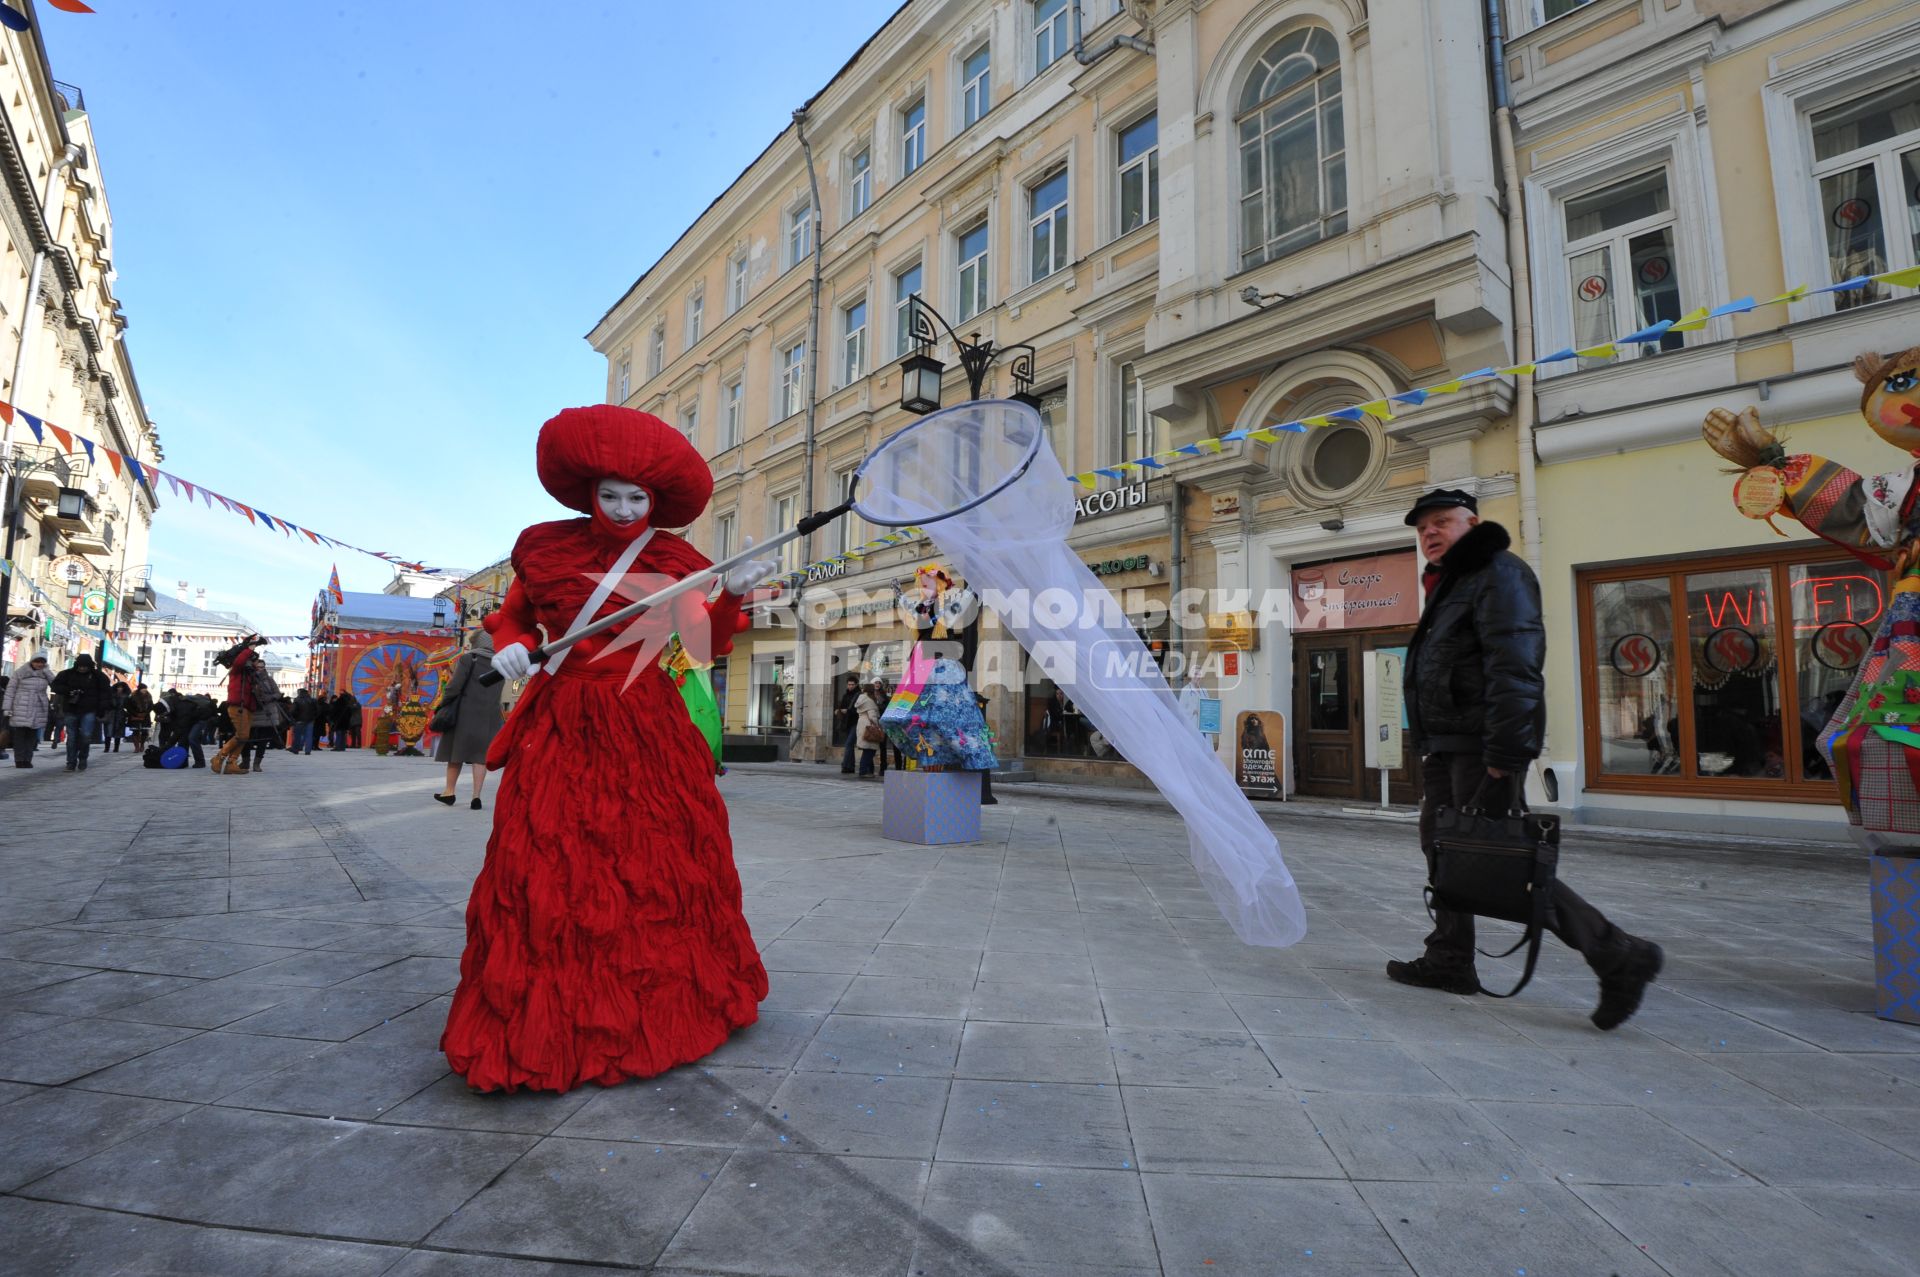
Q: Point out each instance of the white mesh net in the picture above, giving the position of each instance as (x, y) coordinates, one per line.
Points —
(1009, 539)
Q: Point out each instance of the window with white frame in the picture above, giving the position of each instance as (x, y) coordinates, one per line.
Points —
(1866, 161)
(799, 234)
(1048, 243)
(793, 372)
(1621, 271)
(1053, 416)
(623, 377)
(859, 181)
(972, 246)
(696, 317)
(657, 350)
(1551, 9)
(690, 423)
(785, 515)
(177, 662)
(853, 341)
(1050, 39)
(976, 85)
(906, 287)
(1140, 431)
(724, 526)
(736, 281)
(848, 531)
(1293, 152)
(913, 136)
(1138, 157)
(208, 666)
(732, 402)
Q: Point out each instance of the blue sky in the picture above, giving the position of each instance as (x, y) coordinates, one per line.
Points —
(359, 244)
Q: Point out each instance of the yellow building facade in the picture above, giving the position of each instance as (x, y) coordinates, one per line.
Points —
(1681, 155)
(1204, 219)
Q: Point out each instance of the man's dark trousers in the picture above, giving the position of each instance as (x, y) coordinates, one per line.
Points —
(1452, 780)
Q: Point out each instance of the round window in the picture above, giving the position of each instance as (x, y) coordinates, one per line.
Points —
(1339, 457)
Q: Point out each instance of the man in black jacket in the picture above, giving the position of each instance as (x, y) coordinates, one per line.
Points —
(1477, 717)
(83, 693)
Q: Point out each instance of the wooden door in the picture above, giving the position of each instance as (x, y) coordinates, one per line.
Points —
(1326, 715)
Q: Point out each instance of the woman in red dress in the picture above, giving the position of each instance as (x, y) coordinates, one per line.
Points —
(604, 934)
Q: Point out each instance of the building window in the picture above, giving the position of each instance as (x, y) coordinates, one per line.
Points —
(1140, 431)
(623, 377)
(1715, 677)
(696, 316)
(859, 181)
(732, 400)
(690, 423)
(1048, 241)
(177, 662)
(1866, 157)
(1551, 9)
(799, 234)
(208, 668)
(906, 287)
(793, 372)
(1053, 416)
(785, 516)
(736, 281)
(723, 534)
(1293, 161)
(853, 342)
(848, 531)
(1139, 160)
(913, 136)
(1621, 265)
(1050, 39)
(657, 350)
(976, 85)
(973, 270)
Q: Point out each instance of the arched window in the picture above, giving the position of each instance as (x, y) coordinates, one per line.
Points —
(1293, 151)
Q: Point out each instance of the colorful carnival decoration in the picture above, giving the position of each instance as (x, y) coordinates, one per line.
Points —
(1872, 740)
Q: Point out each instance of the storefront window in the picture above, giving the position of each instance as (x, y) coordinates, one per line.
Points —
(1736, 684)
(1747, 723)
(1054, 725)
(1633, 632)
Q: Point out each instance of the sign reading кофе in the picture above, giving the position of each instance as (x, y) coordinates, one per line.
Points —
(1351, 594)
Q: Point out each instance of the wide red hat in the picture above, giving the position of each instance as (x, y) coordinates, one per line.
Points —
(578, 447)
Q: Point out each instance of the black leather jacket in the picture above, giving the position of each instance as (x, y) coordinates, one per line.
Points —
(1474, 683)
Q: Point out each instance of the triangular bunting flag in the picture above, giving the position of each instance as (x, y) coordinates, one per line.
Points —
(33, 424)
(1445, 388)
(1558, 356)
(1316, 421)
(1263, 435)
(139, 473)
(113, 459)
(1190, 450)
(1414, 397)
(1909, 278)
(1646, 336)
(1211, 445)
(266, 519)
(1853, 285)
(1152, 463)
(1233, 436)
(1692, 321)
(6, 412)
(1740, 307)
(88, 445)
(1347, 414)
(66, 439)
(1607, 351)
(1110, 474)
(1518, 370)
(1377, 409)
(1793, 294)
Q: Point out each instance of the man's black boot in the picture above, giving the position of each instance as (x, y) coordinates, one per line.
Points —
(1624, 980)
(1425, 973)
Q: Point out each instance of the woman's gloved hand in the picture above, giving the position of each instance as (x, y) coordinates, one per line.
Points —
(513, 661)
(743, 576)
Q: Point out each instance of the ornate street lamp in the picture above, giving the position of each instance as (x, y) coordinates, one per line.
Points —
(920, 371)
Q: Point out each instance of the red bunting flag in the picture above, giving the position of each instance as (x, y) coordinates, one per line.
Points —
(6, 411)
(114, 458)
(243, 510)
(66, 439)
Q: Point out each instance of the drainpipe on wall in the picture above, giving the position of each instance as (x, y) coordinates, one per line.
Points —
(1084, 58)
(804, 737)
(1517, 264)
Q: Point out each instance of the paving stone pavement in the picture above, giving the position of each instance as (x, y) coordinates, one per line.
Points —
(1042, 1053)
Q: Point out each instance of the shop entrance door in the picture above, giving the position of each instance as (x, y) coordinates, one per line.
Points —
(1329, 713)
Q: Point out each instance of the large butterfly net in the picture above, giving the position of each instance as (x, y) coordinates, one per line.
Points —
(986, 487)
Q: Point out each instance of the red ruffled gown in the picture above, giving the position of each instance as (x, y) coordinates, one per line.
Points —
(604, 934)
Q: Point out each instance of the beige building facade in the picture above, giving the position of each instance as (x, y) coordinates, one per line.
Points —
(1203, 219)
(82, 523)
(1681, 155)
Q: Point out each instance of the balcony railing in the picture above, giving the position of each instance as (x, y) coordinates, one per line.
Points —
(71, 99)
(43, 459)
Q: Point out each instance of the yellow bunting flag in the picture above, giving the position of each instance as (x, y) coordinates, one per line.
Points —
(1909, 278)
(1607, 351)
(1692, 321)
(1263, 436)
(1518, 370)
(1212, 445)
(1316, 421)
(1378, 410)
(1793, 294)
(1445, 388)
(1128, 465)
(1087, 480)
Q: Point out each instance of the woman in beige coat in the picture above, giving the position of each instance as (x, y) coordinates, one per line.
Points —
(866, 712)
(26, 707)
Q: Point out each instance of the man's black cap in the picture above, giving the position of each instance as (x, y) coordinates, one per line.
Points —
(1442, 499)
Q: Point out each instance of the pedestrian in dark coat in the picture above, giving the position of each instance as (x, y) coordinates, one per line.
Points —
(844, 721)
(140, 716)
(1476, 713)
(115, 722)
(83, 694)
(478, 719)
(306, 711)
(26, 707)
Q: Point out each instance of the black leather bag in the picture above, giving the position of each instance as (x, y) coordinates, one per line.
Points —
(1497, 862)
(447, 716)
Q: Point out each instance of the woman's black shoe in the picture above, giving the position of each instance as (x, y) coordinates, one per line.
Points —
(448, 799)
(475, 804)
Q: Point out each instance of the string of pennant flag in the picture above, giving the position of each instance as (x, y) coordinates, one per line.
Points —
(147, 474)
(1384, 409)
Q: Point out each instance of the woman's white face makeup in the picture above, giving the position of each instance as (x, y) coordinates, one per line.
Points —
(621, 501)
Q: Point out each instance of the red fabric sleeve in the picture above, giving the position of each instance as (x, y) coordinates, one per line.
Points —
(707, 629)
(514, 622)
